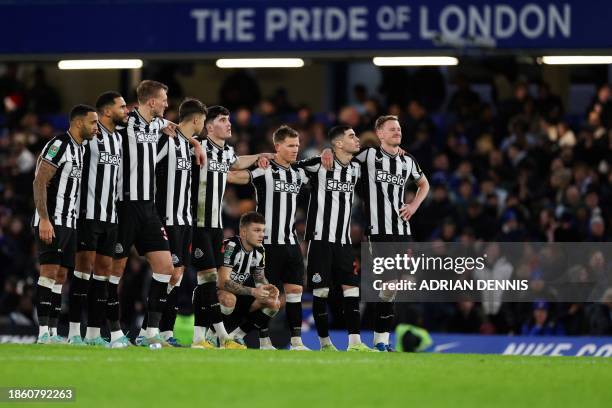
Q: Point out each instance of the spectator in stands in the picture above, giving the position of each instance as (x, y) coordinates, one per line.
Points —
(540, 323)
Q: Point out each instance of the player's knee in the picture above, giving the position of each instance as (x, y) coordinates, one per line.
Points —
(321, 292)
(206, 277)
(60, 277)
(387, 295)
(351, 292)
(178, 280)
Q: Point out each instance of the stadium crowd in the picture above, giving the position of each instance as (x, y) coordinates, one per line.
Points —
(514, 169)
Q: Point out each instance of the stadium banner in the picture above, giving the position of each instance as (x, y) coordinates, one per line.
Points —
(487, 272)
(522, 345)
(138, 27)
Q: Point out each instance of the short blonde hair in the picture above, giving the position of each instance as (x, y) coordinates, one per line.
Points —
(380, 122)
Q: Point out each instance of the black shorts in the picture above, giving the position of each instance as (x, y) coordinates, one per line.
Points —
(139, 225)
(391, 245)
(206, 248)
(284, 264)
(97, 236)
(62, 249)
(331, 264)
(179, 238)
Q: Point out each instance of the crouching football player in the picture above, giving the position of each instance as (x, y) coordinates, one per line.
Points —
(245, 295)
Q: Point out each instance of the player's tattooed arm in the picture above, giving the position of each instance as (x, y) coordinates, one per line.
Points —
(237, 288)
(44, 174)
(238, 177)
(259, 277)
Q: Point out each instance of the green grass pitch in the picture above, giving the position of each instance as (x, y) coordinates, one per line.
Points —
(139, 377)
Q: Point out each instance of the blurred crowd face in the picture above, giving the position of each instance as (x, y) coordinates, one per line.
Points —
(220, 127)
(390, 133)
(288, 149)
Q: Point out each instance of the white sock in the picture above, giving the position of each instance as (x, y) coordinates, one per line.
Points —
(220, 330)
(325, 341)
(265, 341)
(143, 332)
(92, 333)
(116, 335)
(238, 333)
(42, 330)
(381, 338)
(199, 334)
(74, 329)
(151, 332)
(52, 331)
(169, 288)
(167, 334)
(296, 341)
(354, 339)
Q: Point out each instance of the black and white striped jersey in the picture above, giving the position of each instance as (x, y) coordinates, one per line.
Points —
(101, 162)
(383, 178)
(173, 180)
(64, 153)
(331, 200)
(209, 184)
(276, 189)
(242, 262)
(137, 170)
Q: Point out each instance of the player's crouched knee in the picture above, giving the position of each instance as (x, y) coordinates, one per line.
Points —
(227, 301)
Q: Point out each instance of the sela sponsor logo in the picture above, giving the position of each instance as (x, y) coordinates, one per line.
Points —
(386, 177)
(238, 277)
(285, 187)
(337, 185)
(219, 167)
(146, 137)
(112, 159)
(76, 171)
(183, 164)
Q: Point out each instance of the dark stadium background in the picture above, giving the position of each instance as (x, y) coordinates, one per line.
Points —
(514, 149)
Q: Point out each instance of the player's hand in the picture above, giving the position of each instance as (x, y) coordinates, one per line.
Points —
(199, 154)
(401, 152)
(274, 292)
(327, 158)
(260, 293)
(45, 231)
(407, 211)
(263, 162)
(170, 129)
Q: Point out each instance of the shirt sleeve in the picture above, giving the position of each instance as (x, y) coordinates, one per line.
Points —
(311, 165)
(55, 152)
(362, 156)
(229, 253)
(415, 172)
(255, 172)
(232, 156)
(162, 147)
